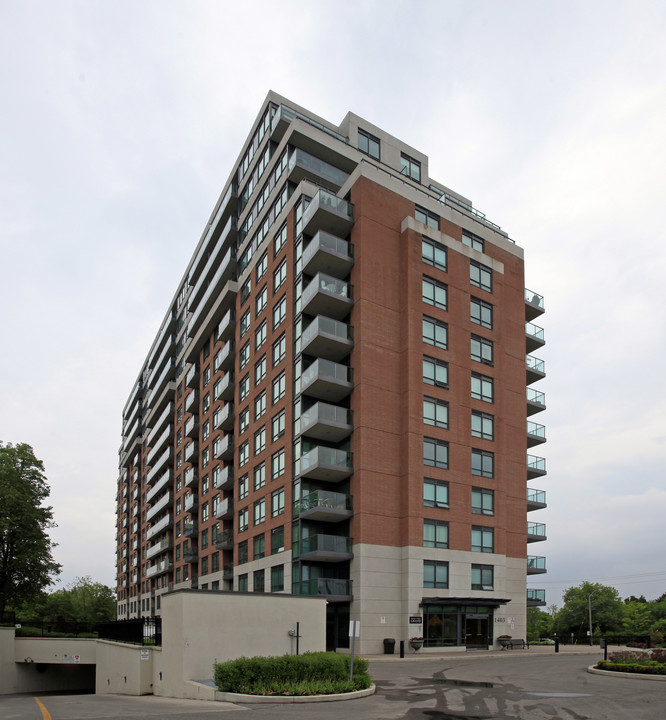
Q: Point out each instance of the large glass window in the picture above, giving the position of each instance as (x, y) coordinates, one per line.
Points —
(435, 533)
(482, 463)
(481, 350)
(260, 440)
(435, 453)
(277, 502)
(426, 217)
(244, 355)
(279, 311)
(260, 405)
(277, 540)
(435, 372)
(243, 488)
(261, 300)
(258, 580)
(434, 292)
(277, 463)
(435, 412)
(278, 425)
(482, 387)
(277, 578)
(480, 276)
(433, 253)
(260, 511)
(435, 332)
(481, 312)
(260, 335)
(279, 387)
(368, 144)
(279, 275)
(410, 167)
(243, 520)
(472, 240)
(483, 539)
(483, 501)
(259, 476)
(482, 577)
(435, 493)
(483, 425)
(260, 369)
(435, 574)
(279, 350)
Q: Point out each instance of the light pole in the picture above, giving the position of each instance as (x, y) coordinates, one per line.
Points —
(589, 609)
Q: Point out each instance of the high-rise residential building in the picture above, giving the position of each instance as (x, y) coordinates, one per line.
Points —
(336, 402)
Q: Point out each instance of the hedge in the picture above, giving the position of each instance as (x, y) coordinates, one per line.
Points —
(645, 668)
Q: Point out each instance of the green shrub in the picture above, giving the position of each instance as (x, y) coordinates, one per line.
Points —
(309, 674)
(647, 667)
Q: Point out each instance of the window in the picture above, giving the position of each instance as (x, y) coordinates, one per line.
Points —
(260, 511)
(277, 540)
(481, 350)
(260, 405)
(243, 556)
(435, 332)
(205, 405)
(480, 276)
(368, 144)
(277, 502)
(262, 266)
(244, 323)
(280, 311)
(279, 349)
(280, 240)
(435, 493)
(435, 372)
(482, 425)
(435, 412)
(258, 581)
(434, 292)
(242, 583)
(279, 275)
(243, 420)
(279, 387)
(244, 387)
(260, 370)
(483, 501)
(259, 476)
(481, 312)
(277, 464)
(243, 453)
(243, 520)
(482, 577)
(483, 539)
(410, 167)
(435, 453)
(204, 512)
(278, 425)
(435, 534)
(205, 457)
(260, 440)
(260, 335)
(435, 574)
(473, 241)
(482, 387)
(277, 578)
(259, 549)
(261, 300)
(243, 486)
(482, 463)
(204, 539)
(433, 253)
(426, 217)
(246, 289)
(244, 355)
(206, 377)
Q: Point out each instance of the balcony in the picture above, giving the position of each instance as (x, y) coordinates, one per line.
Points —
(536, 598)
(536, 401)
(533, 305)
(328, 254)
(167, 374)
(536, 565)
(164, 502)
(534, 337)
(536, 467)
(333, 589)
(327, 464)
(328, 212)
(191, 478)
(224, 417)
(226, 387)
(227, 571)
(190, 529)
(225, 508)
(192, 427)
(327, 380)
(327, 295)
(159, 568)
(225, 448)
(535, 369)
(327, 338)
(324, 506)
(536, 532)
(158, 424)
(159, 465)
(191, 555)
(159, 527)
(165, 437)
(326, 548)
(159, 547)
(223, 478)
(191, 504)
(326, 422)
(224, 540)
(226, 267)
(225, 328)
(192, 377)
(303, 166)
(191, 402)
(536, 499)
(191, 454)
(226, 356)
(536, 434)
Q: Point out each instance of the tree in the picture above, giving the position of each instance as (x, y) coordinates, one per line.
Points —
(606, 609)
(82, 601)
(539, 624)
(26, 562)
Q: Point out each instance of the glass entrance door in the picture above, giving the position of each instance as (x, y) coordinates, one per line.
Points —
(476, 632)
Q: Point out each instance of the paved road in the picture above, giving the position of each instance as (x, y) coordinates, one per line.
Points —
(508, 686)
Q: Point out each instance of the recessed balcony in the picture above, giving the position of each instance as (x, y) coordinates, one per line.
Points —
(326, 422)
(192, 427)
(536, 565)
(303, 166)
(191, 555)
(324, 463)
(536, 401)
(159, 568)
(227, 571)
(326, 548)
(327, 338)
(326, 295)
(536, 499)
(536, 598)
(225, 508)
(328, 254)
(159, 547)
(190, 529)
(223, 478)
(192, 377)
(333, 589)
(534, 337)
(324, 506)
(536, 532)
(534, 305)
(536, 434)
(191, 504)
(224, 540)
(159, 527)
(191, 454)
(224, 449)
(191, 477)
(327, 380)
(536, 467)
(328, 212)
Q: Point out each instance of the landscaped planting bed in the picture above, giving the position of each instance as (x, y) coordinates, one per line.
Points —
(645, 662)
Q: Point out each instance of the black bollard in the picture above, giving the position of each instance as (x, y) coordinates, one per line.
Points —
(402, 648)
(557, 644)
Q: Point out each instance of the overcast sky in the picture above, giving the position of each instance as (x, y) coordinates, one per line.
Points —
(120, 122)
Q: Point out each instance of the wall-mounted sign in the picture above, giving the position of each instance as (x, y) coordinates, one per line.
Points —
(415, 619)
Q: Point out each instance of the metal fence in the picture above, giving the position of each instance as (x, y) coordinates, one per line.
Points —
(140, 631)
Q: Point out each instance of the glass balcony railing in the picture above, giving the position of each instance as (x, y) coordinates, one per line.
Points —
(326, 463)
(329, 338)
(191, 401)
(328, 212)
(192, 377)
(191, 503)
(159, 527)
(165, 481)
(534, 336)
(157, 507)
(536, 597)
(158, 467)
(191, 454)
(159, 547)
(536, 430)
(536, 497)
(535, 364)
(536, 564)
(326, 380)
(536, 466)
(322, 500)
(190, 529)
(190, 477)
(328, 253)
(192, 427)
(326, 544)
(536, 401)
(327, 295)
(328, 587)
(534, 305)
(224, 540)
(326, 422)
(303, 165)
(536, 530)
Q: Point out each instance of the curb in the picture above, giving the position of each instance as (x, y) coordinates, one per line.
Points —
(639, 676)
(239, 698)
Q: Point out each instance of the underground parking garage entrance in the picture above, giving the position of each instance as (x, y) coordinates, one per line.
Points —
(459, 622)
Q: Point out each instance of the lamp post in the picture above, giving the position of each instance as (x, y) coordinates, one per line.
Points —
(589, 609)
